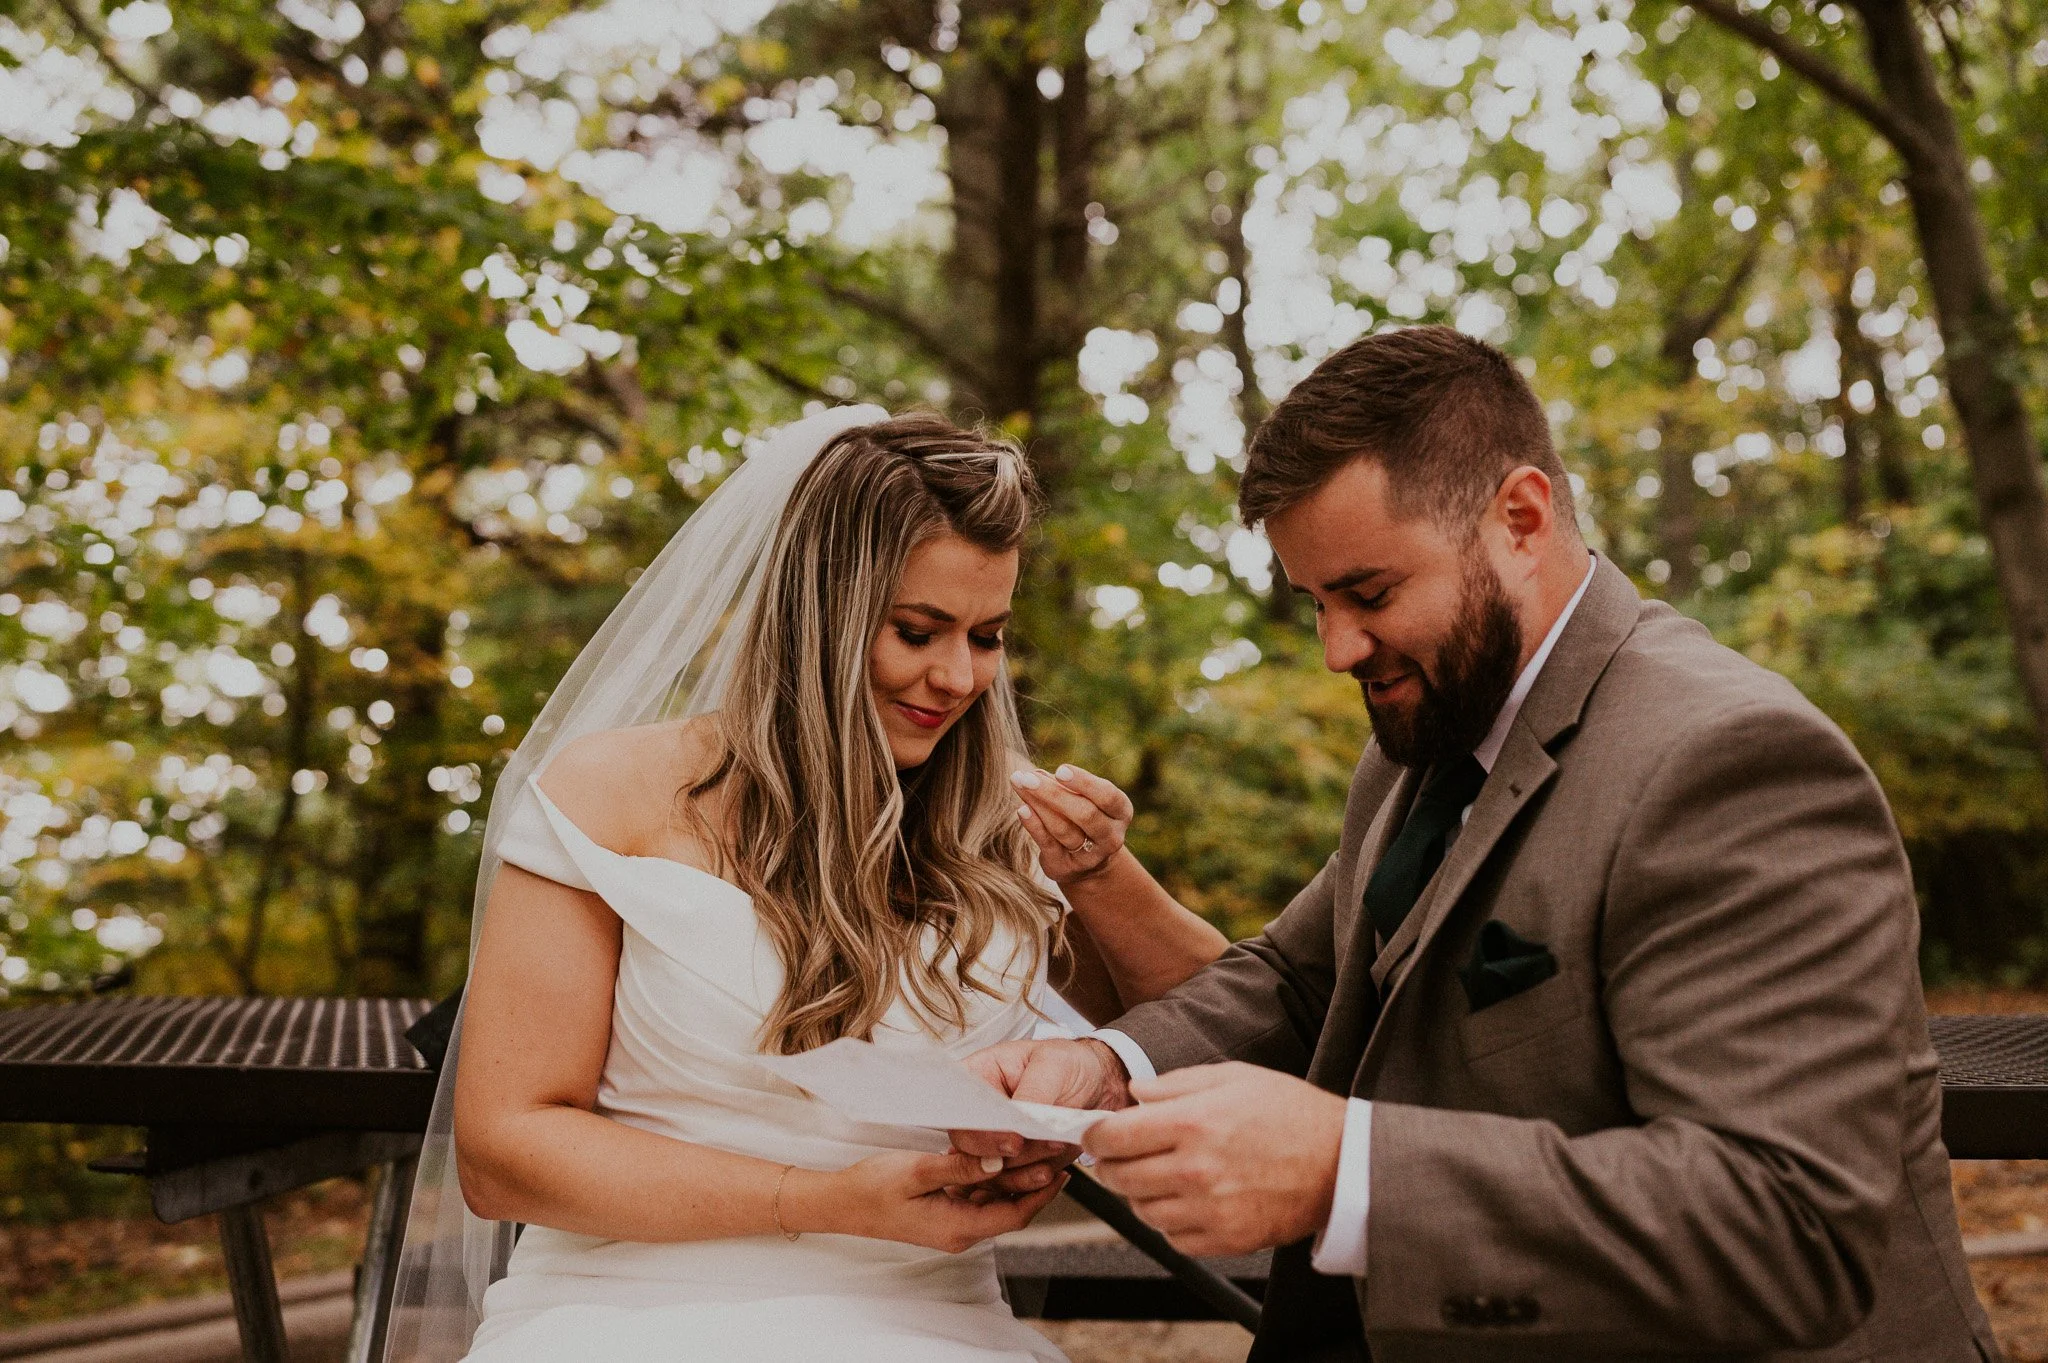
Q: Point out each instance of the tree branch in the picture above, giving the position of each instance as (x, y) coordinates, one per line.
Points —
(622, 384)
(338, 942)
(297, 753)
(216, 933)
(1952, 44)
(1865, 104)
(518, 546)
(794, 382)
(89, 34)
(577, 419)
(931, 341)
(1683, 330)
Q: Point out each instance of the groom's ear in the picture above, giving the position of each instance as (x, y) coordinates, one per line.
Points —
(1523, 506)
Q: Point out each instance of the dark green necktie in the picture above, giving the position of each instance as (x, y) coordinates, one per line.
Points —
(1418, 849)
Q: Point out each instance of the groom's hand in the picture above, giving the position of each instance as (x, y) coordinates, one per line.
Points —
(1083, 1073)
(1224, 1159)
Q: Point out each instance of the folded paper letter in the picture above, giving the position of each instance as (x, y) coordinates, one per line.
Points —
(873, 1083)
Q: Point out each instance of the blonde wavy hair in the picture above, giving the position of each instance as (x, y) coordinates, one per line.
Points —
(869, 882)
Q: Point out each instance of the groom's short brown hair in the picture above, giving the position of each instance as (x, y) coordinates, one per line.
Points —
(1447, 416)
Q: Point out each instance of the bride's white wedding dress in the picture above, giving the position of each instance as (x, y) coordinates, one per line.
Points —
(696, 977)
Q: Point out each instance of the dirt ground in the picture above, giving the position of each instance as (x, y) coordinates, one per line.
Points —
(77, 1267)
(50, 1272)
(1996, 1196)
(1116, 1341)
(2009, 1196)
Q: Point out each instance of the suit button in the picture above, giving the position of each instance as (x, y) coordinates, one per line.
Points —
(1480, 1312)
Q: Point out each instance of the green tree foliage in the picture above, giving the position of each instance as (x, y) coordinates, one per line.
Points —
(356, 352)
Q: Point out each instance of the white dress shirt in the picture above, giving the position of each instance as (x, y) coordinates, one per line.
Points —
(1340, 1248)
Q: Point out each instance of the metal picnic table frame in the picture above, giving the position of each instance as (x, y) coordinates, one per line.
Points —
(243, 1099)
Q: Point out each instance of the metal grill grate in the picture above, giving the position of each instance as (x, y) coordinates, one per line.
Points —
(278, 1034)
(345, 1065)
(1991, 1051)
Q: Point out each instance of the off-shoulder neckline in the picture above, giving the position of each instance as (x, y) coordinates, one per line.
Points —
(534, 783)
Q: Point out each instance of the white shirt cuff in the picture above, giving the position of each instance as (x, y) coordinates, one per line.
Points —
(1130, 1052)
(1340, 1249)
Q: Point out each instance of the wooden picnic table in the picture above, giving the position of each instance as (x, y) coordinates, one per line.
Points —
(242, 1099)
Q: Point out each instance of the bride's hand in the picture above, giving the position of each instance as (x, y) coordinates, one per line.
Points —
(1077, 819)
(901, 1195)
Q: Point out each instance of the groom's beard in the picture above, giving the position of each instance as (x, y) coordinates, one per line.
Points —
(1475, 671)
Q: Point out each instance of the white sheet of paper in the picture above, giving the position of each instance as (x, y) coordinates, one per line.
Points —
(871, 1083)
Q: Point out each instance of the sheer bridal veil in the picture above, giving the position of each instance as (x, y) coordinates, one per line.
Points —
(666, 651)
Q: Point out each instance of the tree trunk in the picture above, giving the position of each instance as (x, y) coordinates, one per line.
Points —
(1980, 344)
(1894, 469)
(1019, 134)
(1872, 444)
(273, 865)
(1678, 504)
(397, 869)
(995, 126)
(1073, 147)
(1282, 607)
(1853, 460)
(1069, 303)
(1687, 320)
(1251, 403)
(1678, 496)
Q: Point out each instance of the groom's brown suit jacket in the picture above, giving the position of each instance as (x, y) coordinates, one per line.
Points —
(1714, 1130)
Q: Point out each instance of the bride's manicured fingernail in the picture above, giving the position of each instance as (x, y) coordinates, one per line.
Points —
(1028, 780)
(991, 1164)
(1065, 773)
(1024, 811)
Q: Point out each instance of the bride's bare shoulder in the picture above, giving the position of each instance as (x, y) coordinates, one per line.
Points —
(620, 785)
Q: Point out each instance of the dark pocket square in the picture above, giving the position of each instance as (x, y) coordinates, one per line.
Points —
(1503, 965)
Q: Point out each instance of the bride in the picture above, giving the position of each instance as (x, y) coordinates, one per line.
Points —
(775, 802)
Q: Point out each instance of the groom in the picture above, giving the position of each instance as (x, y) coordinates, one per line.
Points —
(1601, 1034)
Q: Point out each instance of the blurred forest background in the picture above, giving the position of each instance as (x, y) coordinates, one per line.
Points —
(353, 353)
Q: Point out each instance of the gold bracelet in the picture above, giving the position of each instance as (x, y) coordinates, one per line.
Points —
(775, 1204)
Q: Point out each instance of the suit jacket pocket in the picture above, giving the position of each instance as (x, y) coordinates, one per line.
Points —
(1534, 1012)
(1503, 964)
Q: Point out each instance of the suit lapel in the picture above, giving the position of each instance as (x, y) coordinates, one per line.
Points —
(1400, 785)
(1522, 769)
(1385, 790)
